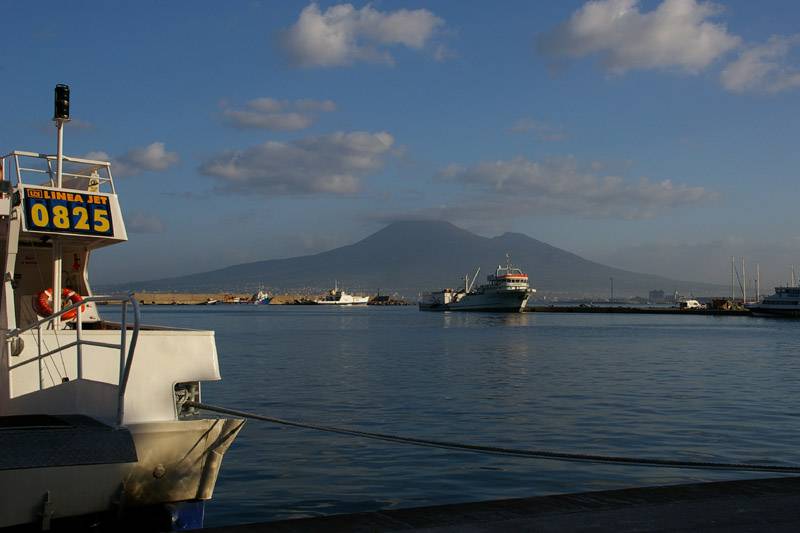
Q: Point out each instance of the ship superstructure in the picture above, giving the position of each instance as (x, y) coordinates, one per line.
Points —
(785, 302)
(507, 290)
(93, 419)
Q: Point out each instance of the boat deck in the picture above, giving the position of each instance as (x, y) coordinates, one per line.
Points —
(42, 441)
(753, 505)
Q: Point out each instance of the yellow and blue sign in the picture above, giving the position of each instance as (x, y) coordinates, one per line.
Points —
(68, 212)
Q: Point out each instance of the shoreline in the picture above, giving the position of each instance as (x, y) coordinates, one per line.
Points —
(228, 298)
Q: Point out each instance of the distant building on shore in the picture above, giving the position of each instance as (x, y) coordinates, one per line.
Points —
(656, 297)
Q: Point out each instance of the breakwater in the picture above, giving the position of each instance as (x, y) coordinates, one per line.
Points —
(182, 298)
(635, 310)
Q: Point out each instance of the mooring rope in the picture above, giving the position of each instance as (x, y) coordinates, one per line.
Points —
(496, 450)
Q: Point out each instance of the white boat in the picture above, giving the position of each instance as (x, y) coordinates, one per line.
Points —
(506, 290)
(94, 416)
(785, 302)
(261, 298)
(690, 304)
(337, 296)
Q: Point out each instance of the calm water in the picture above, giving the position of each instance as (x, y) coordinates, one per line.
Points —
(698, 388)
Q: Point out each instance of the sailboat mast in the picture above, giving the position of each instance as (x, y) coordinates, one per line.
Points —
(733, 294)
(744, 284)
(758, 284)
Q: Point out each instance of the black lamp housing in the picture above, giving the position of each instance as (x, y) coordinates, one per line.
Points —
(62, 102)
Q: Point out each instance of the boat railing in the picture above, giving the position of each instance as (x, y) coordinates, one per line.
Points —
(126, 349)
(78, 173)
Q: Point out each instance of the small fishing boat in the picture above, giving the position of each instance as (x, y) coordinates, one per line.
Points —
(95, 417)
(261, 298)
(337, 296)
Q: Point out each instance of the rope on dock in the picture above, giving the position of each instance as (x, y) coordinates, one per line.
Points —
(496, 450)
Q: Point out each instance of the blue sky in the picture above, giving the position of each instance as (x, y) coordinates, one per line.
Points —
(657, 135)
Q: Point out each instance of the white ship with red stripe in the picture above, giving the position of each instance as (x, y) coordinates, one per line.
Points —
(507, 290)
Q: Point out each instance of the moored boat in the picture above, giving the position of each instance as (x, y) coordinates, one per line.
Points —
(785, 303)
(338, 296)
(94, 421)
(261, 297)
(506, 290)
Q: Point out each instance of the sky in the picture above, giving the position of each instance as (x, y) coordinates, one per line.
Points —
(653, 135)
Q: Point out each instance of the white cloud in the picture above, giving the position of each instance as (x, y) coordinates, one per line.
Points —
(151, 158)
(329, 164)
(139, 222)
(267, 121)
(267, 105)
(764, 68)
(342, 34)
(97, 155)
(315, 105)
(677, 34)
(541, 131)
(559, 186)
(277, 115)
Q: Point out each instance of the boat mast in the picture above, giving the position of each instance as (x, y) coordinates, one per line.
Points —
(744, 283)
(758, 284)
(60, 117)
(733, 295)
(473, 279)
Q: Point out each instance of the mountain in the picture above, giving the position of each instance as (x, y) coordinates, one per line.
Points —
(414, 256)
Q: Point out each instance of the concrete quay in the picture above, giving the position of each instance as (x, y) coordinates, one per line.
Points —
(771, 504)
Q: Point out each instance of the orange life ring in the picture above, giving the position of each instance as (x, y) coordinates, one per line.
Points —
(42, 306)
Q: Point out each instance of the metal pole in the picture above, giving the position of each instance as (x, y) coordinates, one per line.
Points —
(733, 294)
(56, 244)
(57, 253)
(758, 284)
(59, 151)
(123, 340)
(744, 284)
(131, 351)
(39, 344)
(612, 290)
(79, 347)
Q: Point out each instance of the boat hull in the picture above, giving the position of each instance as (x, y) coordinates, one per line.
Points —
(498, 301)
(347, 300)
(176, 461)
(774, 313)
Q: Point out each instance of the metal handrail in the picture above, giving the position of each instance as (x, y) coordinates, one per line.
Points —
(20, 169)
(126, 351)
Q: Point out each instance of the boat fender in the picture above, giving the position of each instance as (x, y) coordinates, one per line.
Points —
(42, 306)
(17, 345)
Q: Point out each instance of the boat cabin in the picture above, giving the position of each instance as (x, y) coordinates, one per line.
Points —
(508, 278)
(55, 335)
(49, 242)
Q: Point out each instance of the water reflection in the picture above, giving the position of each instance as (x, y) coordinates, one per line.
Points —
(722, 389)
(455, 319)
